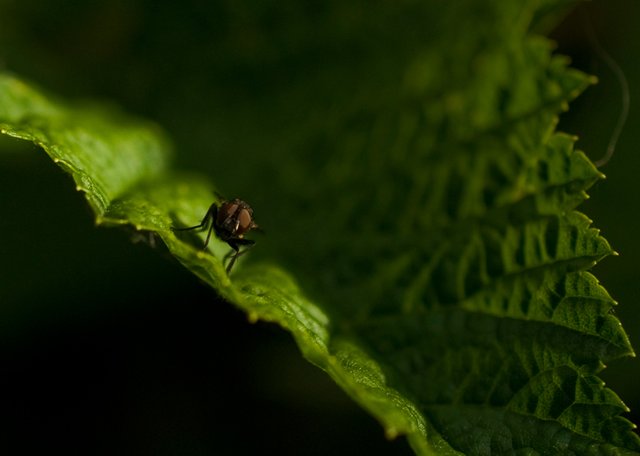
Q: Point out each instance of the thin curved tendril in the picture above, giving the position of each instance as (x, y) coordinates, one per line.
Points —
(624, 87)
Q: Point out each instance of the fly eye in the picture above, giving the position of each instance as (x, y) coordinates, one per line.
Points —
(226, 211)
(244, 220)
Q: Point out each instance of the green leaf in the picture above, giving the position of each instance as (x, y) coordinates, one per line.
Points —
(425, 249)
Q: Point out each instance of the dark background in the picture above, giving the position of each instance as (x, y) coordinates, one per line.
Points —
(112, 347)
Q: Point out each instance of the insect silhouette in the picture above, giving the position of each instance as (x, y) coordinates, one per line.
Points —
(230, 220)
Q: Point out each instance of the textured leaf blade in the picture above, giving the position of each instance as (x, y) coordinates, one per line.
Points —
(104, 153)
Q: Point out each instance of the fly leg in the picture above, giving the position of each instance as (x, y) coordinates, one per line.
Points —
(235, 244)
(208, 222)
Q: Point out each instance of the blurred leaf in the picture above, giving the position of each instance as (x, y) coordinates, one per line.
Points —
(426, 205)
